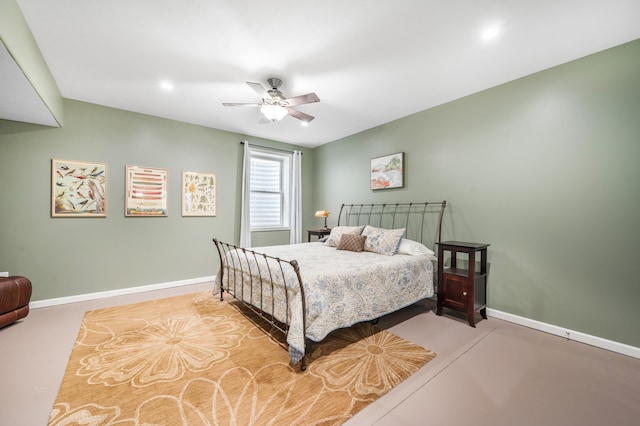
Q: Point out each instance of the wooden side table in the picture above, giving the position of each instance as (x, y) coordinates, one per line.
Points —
(463, 290)
(319, 233)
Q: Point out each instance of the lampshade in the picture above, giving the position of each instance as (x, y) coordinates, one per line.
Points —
(273, 112)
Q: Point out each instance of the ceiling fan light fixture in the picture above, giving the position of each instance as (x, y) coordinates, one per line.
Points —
(275, 105)
(273, 112)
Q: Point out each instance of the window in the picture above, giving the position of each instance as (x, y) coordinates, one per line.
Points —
(270, 177)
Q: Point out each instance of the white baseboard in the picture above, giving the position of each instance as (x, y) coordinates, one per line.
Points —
(119, 292)
(577, 336)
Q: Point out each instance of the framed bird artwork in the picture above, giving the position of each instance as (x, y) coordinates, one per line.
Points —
(78, 188)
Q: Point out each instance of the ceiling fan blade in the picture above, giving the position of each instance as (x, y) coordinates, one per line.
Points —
(300, 115)
(240, 104)
(309, 98)
(257, 87)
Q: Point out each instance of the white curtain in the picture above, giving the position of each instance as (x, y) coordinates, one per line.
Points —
(245, 220)
(295, 218)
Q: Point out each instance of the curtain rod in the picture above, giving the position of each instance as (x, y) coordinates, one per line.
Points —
(268, 147)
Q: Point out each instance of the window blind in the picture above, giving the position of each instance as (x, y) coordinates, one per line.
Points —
(267, 195)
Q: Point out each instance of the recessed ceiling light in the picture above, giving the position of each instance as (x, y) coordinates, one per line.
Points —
(304, 124)
(490, 33)
(166, 85)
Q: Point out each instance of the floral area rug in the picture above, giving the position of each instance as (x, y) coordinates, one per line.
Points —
(193, 360)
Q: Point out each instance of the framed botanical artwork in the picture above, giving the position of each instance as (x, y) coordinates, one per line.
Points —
(387, 171)
(78, 188)
(146, 191)
(198, 194)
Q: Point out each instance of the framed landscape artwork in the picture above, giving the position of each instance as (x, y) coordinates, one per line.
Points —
(198, 194)
(146, 191)
(78, 188)
(387, 171)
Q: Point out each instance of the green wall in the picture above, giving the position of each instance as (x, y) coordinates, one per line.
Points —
(545, 168)
(72, 256)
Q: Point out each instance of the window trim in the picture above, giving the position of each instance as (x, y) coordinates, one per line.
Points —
(286, 160)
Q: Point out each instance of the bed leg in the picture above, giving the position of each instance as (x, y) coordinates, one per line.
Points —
(307, 350)
(221, 294)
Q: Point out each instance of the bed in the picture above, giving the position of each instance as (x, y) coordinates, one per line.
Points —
(308, 290)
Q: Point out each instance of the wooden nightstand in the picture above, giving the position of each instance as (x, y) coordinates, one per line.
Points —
(319, 233)
(463, 290)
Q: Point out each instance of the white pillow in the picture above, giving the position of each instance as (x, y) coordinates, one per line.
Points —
(339, 231)
(383, 241)
(413, 248)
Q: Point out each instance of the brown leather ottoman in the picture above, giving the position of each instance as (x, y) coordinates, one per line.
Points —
(15, 294)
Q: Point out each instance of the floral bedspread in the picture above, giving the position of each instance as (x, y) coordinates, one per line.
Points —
(341, 287)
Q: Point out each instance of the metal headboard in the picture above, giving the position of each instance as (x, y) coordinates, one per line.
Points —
(422, 221)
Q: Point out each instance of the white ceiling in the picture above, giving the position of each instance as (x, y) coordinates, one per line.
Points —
(369, 61)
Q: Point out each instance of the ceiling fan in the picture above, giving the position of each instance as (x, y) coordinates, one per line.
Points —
(275, 105)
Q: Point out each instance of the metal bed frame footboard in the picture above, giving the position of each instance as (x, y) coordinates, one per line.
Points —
(232, 264)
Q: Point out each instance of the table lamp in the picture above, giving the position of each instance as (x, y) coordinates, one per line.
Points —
(325, 214)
